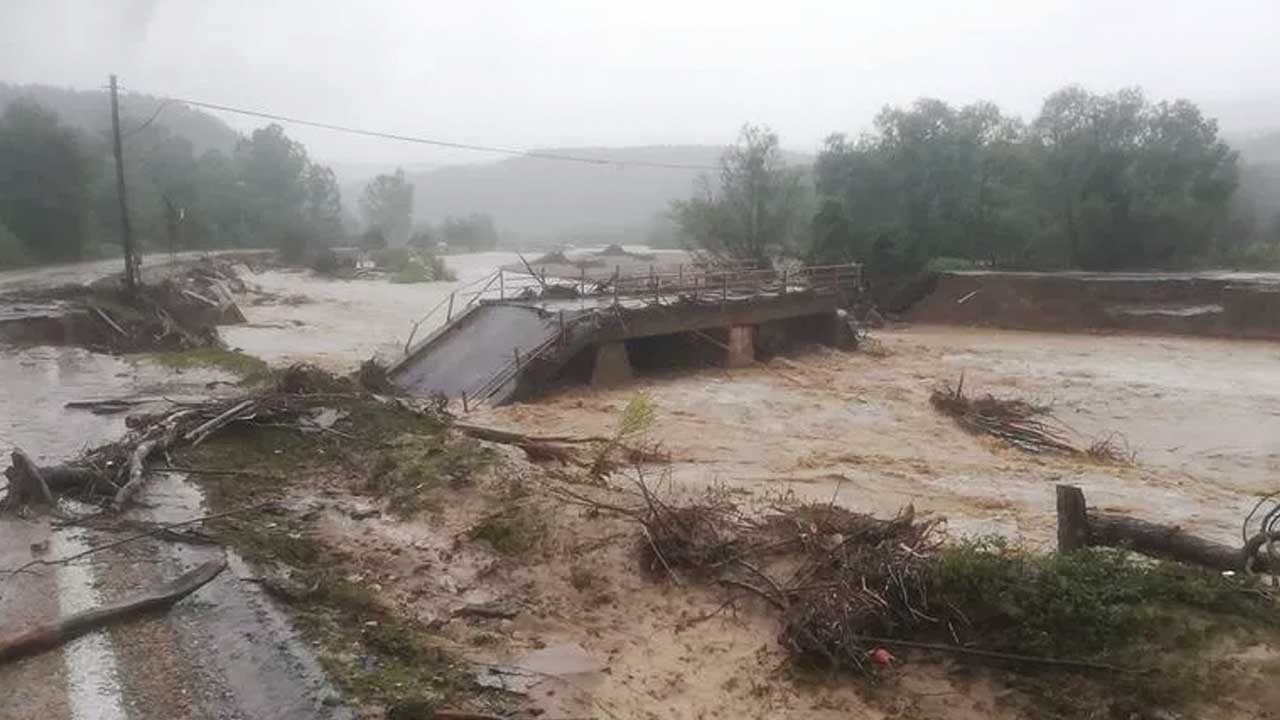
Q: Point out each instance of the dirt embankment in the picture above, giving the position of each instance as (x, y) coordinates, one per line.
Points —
(180, 310)
(1211, 305)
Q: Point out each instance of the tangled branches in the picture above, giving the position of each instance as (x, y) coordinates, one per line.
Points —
(112, 474)
(1016, 422)
(838, 577)
(1264, 534)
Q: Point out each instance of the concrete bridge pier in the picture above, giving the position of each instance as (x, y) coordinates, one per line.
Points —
(742, 346)
(612, 366)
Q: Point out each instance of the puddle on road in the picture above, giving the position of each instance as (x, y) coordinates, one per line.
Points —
(37, 383)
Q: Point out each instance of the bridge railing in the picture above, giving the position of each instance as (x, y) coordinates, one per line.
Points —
(708, 285)
(691, 280)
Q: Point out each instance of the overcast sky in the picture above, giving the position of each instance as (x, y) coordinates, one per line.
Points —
(541, 73)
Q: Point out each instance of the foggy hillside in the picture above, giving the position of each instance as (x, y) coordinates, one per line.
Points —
(89, 111)
(538, 200)
(1263, 149)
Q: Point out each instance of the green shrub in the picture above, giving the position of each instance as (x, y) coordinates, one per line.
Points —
(1090, 602)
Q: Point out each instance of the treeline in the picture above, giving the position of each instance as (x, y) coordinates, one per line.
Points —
(1094, 181)
(58, 197)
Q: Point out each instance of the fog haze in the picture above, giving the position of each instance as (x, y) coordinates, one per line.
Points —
(574, 74)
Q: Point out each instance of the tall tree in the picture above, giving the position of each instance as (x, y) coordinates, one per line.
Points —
(45, 173)
(755, 213)
(271, 170)
(322, 202)
(387, 204)
(1131, 184)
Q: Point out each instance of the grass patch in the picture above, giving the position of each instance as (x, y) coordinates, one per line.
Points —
(410, 472)
(1105, 606)
(247, 367)
(1096, 602)
(375, 657)
(514, 531)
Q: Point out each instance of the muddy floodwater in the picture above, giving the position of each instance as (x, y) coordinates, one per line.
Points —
(1202, 418)
(338, 324)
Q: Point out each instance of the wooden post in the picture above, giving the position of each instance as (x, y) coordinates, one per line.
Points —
(582, 289)
(130, 279)
(680, 274)
(1078, 528)
(562, 328)
(725, 297)
(502, 286)
(785, 272)
(1073, 521)
(517, 354)
(464, 402)
(448, 315)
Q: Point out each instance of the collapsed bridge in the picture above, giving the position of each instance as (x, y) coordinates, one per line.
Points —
(522, 333)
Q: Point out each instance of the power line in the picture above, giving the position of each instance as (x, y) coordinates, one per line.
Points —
(439, 143)
(150, 120)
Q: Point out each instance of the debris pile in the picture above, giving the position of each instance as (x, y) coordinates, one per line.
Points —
(1016, 422)
(849, 587)
(301, 396)
(180, 312)
(842, 580)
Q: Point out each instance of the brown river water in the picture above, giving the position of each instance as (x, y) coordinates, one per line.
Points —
(1201, 415)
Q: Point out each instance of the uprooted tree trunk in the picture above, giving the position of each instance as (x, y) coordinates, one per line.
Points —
(27, 485)
(67, 628)
(1079, 527)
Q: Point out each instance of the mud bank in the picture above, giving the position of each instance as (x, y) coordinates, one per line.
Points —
(177, 309)
(1234, 305)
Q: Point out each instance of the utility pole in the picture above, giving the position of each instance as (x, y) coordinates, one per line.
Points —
(130, 281)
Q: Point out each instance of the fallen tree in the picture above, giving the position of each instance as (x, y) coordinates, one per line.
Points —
(56, 633)
(113, 474)
(1079, 527)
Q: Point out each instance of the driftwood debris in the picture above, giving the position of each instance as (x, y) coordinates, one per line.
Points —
(56, 633)
(1079, 527)
(538, 448)
(1021, 424)
(110, 406)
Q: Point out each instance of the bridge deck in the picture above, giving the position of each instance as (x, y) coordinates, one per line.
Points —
(533, 325)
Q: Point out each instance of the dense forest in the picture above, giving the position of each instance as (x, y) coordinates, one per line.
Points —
(219, 190)
(1106, 182)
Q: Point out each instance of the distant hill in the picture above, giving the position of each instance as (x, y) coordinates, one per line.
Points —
(90, 111)
(542, 201)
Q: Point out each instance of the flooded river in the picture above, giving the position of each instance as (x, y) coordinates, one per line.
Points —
(1202, 417)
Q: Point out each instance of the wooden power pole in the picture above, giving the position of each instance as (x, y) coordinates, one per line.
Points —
(130, 281)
